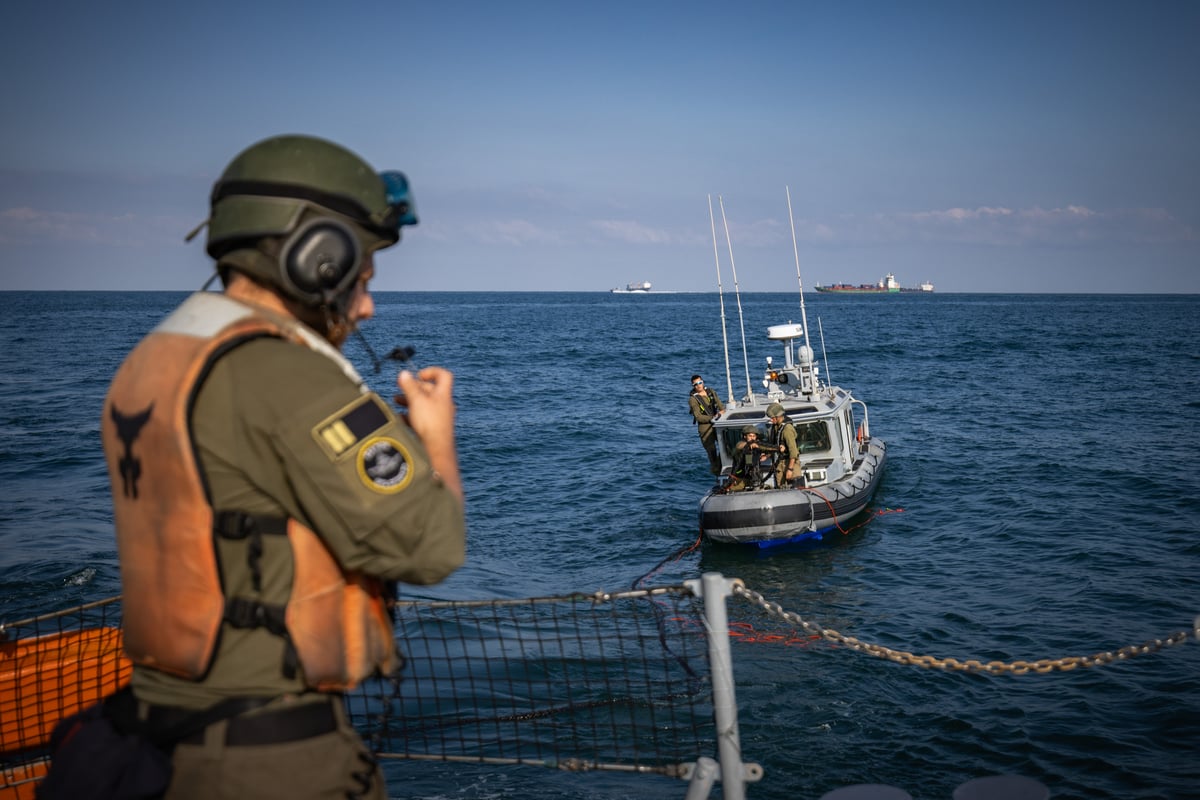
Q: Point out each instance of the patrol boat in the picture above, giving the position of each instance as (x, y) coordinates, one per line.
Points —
(840, 464)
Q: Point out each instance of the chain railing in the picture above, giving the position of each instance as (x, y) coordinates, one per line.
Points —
(950, 664)
(584, 681)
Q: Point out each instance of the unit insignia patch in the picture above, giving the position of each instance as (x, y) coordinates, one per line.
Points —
(384, 465)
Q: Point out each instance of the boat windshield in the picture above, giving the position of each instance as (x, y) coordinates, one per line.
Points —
(812, 437)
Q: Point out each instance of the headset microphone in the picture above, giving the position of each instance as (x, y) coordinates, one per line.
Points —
(367, 346)
(399, 353)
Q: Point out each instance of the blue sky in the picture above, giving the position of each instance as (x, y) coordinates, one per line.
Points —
(992, 147)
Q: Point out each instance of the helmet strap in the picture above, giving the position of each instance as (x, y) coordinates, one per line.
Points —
(338, 326)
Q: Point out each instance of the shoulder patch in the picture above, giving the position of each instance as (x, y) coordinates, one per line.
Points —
(349, 425)
(384, 465)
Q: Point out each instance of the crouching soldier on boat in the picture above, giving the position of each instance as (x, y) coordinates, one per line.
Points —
(265, 500)
(749, 457)
(781, 439)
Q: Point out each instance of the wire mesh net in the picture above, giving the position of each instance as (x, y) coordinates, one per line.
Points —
(602, 681)
(52, 666)
(574, 682)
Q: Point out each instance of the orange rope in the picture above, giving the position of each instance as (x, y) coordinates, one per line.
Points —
(836, 524)
(745, 632)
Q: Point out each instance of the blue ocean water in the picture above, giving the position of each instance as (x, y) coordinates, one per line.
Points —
(1041, 500)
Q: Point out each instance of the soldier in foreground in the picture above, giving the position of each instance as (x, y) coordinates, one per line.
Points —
(265, 500)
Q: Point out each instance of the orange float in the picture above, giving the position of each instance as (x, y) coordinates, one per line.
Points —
(46, 678)
(20, 782)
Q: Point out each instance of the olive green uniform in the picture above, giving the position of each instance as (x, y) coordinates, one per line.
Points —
(705, 406)
(745, 464)
(782, 438)
(258, 425)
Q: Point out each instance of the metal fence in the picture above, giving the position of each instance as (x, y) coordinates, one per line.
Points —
(637, 681)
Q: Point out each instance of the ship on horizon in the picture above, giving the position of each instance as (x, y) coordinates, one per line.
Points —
(887, 285)
(637, 287)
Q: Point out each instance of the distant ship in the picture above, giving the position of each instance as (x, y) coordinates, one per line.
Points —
(641, 287)
(889, 285)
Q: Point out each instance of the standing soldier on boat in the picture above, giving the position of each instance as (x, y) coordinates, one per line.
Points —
(265, 500)
(781, 437)
(706, 407)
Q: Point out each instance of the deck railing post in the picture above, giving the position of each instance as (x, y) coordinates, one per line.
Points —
(703, 776)
(715, 588)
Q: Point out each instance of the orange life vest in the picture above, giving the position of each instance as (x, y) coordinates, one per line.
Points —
(336, 621)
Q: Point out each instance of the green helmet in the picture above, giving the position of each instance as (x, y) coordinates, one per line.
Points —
(775, 410)
(749, 429)
(324, 203)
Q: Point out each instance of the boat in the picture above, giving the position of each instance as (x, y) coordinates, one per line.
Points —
(841, 462)
(639, 287)
(886, 285)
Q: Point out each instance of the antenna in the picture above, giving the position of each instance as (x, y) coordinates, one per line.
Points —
(738, 294)
(721, 294)
(824, 355)
(796, 254)
(807, 362)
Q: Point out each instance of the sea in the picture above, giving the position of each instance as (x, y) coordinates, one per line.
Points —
(1041, 501)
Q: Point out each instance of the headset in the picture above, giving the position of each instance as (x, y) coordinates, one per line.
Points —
(320, 261)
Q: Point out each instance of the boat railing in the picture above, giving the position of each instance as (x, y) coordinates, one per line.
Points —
(638, 682)
(862, 433)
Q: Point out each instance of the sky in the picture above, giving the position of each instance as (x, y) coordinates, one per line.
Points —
(578, 146)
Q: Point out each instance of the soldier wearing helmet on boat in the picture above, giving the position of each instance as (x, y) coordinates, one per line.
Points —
(748, 458)
(781, 438)
(265, 500)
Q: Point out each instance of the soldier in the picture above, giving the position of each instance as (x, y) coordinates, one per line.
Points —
(265, 500)
(781, 437)
(706, 408)
(747, 458)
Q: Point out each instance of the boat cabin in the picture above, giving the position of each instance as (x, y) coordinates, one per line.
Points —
(825, 435)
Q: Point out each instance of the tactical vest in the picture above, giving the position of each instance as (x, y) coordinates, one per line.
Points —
(775, 437)
(336, 622)
(707, 400)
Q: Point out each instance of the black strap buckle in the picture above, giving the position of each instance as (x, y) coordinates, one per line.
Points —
(241, 612)
(241, 524)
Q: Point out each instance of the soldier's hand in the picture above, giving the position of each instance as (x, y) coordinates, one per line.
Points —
(428, 398)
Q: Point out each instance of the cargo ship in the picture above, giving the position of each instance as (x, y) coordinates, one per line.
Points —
(888, 285)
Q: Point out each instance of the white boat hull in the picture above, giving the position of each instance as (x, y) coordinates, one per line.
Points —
(766, 517)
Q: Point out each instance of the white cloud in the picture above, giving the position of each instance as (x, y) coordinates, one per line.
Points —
(30, 225)
(1068, 225)
(633, 232)
(513, 232)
